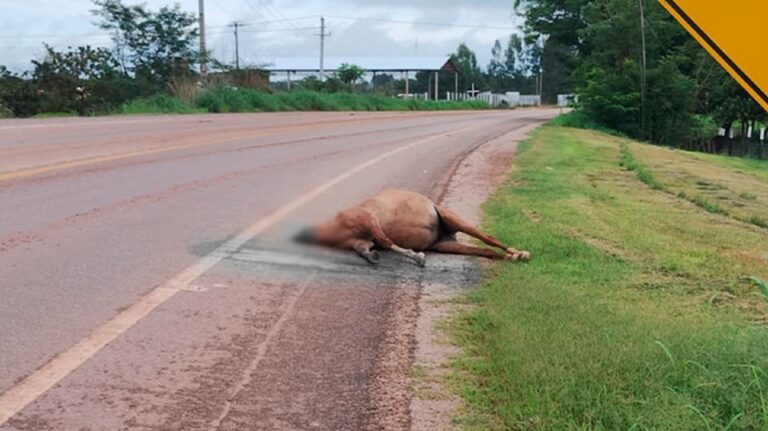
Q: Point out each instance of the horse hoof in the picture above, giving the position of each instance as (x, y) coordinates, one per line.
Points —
(372, 257)
(421, 259)
(518, 255)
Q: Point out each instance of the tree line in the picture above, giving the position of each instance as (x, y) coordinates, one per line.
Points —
(156, 52)
(153, 51)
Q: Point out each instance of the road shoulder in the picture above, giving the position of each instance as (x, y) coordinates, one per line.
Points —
(434, 404)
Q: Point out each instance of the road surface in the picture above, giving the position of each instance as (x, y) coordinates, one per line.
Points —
(147, 284)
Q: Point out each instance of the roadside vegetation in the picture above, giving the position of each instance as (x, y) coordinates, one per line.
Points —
(226, 99)
(643, 307)
(153, 66)
(672, 93)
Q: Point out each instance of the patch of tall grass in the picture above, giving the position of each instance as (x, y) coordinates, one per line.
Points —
(159, 104)
(627, 160)
(228, 99)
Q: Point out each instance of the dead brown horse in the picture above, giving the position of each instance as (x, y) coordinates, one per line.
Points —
(407, 223)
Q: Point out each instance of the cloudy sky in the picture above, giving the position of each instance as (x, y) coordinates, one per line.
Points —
(26, 24)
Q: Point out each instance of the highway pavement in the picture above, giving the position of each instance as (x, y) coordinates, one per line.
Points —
(146, 279)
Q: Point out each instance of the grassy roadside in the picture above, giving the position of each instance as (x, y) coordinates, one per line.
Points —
(223, 99)
(735, 189)
(634, 313)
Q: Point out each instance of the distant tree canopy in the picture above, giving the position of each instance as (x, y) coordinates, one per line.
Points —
(349, 73)
(469, 71)
(153, 52)
(513, 67)
(154, 47)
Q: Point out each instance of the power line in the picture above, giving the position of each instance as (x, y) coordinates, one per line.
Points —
(221, 8)
(438, 24)
(268, 22)
(254, 9)
(276, 30)
(281, 17)
(279, 20)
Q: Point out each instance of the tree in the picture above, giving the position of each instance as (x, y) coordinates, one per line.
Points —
(469, 72)
(736, 106)
(384, 82)
(496, 66)
(81, 79)
(350, 73)
(17, 97)
(592, 46)
(511, 54)
(154, 47)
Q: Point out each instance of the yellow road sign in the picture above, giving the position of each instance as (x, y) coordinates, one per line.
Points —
(735, 33)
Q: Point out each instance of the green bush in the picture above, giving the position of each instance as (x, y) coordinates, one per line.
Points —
(228, 99)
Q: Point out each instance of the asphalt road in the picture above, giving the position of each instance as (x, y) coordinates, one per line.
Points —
(146, 282)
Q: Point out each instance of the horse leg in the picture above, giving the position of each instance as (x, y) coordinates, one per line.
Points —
(371, 223)
(453, 247)
(455, 223)
(363, 248)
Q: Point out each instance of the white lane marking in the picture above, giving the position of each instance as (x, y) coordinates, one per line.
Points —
(40, 381)
(261, 352)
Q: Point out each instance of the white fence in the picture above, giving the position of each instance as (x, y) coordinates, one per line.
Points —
(416, 96)
(564, 100)
(510, 99)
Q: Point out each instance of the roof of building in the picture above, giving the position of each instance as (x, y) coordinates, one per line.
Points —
(370, 64)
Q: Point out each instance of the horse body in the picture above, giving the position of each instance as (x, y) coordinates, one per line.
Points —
(409, 219)
(407, 223)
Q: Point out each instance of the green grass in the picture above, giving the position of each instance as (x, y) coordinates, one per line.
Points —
(635, 313)
(55, 115)
(627, 160)
(578, 119)
(703, 202)
(734, 188)
(743, 165)
(159, 104)
(226, 99)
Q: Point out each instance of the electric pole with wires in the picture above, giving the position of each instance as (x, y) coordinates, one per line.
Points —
(322, 35)
(203, 52)
(237, 26)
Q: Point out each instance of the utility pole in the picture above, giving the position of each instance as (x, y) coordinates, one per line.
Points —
(237, 25)
(322, 35)
(540, 80)
(643, 82)
(203, 52)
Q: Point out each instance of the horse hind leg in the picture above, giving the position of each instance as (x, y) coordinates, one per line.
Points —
(454, 223)
(453, 247)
